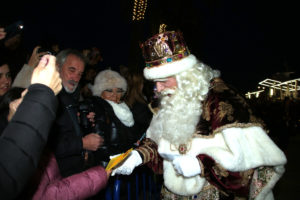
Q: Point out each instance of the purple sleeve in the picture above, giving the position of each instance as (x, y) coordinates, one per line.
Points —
(77, 186)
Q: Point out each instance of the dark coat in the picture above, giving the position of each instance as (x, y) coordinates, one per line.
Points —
(24, 139)
(66, 133)
(142, 117)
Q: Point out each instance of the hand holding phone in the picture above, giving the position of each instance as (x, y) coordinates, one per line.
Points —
(14, 29)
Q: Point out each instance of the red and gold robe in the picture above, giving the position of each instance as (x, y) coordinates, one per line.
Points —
(238, 159)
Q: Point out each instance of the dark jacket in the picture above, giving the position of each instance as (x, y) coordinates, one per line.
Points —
(118, 138)
(142, 117)
(3, 122)
(66, 133)
(24, 139)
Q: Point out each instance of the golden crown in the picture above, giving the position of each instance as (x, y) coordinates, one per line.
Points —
(164, 48)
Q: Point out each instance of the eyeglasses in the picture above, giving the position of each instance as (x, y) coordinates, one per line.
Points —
(111, 92)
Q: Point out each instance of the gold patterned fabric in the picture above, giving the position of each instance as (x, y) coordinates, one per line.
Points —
(260, 179)
(164, 48)
(148, 151)
(224, 105)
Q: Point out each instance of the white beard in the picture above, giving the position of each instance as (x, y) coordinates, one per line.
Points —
(177, 119)
(180, 111)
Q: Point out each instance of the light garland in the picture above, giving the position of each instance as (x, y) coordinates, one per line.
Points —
(139, 9)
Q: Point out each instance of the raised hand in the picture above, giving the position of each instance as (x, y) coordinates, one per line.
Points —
(46, 73)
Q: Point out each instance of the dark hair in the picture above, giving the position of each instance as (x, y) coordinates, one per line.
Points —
(11, 95)
(4, 60)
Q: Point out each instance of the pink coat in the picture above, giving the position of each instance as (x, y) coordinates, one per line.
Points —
(53, 186)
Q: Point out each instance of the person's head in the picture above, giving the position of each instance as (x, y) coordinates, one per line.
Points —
(109, 85)
(171, 66)
(13, 94)
(182, 81)
(5, 78)
(71, 65)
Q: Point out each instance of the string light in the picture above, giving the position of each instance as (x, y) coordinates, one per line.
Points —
(139, 9)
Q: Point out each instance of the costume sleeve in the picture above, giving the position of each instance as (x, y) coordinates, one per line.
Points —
(24, 139)
(150, 156)
(224, 109)
(231, 183)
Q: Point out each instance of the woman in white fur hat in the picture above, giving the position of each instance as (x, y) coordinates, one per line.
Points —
(113, 117)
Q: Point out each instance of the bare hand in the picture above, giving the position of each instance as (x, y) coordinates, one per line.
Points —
(46, 73)
(92, 141)
(35, 57)
(13, 106)
(108, 173)
(91, 116)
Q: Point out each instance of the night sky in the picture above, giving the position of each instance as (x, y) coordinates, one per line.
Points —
(247, 40)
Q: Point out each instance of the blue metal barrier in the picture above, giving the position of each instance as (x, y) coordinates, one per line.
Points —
(150, 190)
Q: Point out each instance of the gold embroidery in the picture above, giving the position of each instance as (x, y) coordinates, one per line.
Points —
(225, 109)
(182, 148)
(233, 125)
(218, 85)
(220, 171)
(246, 176)
(206, 110)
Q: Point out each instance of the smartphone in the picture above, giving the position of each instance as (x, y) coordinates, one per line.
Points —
(47, 51)
(13, 29)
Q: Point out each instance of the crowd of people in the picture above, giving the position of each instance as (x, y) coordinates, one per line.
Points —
(63, 119)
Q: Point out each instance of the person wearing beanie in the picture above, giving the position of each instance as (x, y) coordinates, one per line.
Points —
(204, 139)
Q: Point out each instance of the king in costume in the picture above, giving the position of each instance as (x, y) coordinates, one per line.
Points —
(204, 139)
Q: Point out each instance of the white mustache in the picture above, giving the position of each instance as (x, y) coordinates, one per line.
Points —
(167, 92)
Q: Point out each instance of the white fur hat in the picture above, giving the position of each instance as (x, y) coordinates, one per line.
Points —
(108, 79)
(170, 69)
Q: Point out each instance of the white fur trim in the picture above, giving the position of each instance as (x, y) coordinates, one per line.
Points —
(170, 69)
(239, 149)
(236, 149)
(179, 184)
(123, 113)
